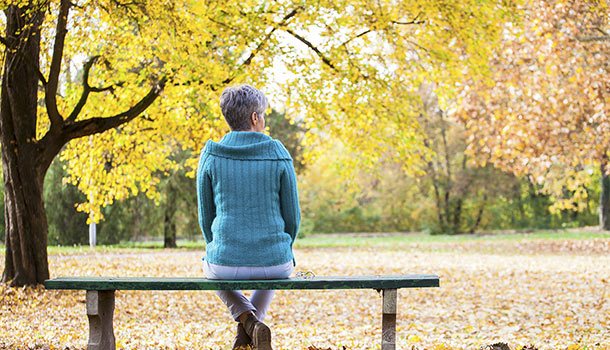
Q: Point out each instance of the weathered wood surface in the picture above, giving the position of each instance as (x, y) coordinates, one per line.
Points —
(388, 319)
(183, 283)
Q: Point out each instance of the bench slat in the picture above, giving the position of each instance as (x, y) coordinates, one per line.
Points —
(184, 283)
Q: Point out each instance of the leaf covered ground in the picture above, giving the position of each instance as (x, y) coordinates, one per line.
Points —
(551, 294)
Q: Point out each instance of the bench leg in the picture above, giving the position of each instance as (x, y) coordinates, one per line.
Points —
(100, 307)
(388, 321)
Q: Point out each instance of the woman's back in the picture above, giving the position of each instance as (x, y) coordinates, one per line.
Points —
(247, 200)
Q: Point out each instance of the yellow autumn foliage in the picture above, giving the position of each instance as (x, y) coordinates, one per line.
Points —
(348, 69)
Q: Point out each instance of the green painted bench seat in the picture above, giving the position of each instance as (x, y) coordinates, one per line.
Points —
(101, 294)
(184, 283)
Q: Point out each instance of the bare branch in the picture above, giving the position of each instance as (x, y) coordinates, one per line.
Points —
(356, 37)
(73, 4)
(55, 139)
(408, 23)
(106, 88)
(418, 45)
(26, 58)
(220, 23)
(97, 125)
(290, 14)
(58, 51)
(87, 89)
(593, 38)
(260, 46)
(5, 42)
(248, 60)
(415, 20)
(313, 48)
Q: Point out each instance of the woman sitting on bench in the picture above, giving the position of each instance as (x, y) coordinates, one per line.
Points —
(248, 210)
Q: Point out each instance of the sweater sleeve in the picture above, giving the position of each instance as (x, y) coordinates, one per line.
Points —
(205, 198)
(289, 200)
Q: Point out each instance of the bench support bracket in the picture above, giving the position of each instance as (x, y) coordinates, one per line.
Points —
(100, 308)
(388, 320)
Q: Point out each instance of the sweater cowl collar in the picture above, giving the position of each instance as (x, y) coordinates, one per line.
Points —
(247, 145)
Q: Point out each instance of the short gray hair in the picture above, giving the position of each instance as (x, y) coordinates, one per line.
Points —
(238, 103)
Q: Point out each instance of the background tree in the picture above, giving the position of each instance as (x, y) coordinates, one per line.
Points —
(452, 196)
(67, 226)
(544, 110)
(460, 190)
(132, 219)
(179, 203)
(291, 133)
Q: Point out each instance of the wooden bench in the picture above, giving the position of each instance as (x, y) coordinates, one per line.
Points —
(100, 295)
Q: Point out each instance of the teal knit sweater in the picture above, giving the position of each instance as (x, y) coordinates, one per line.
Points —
(247, 200)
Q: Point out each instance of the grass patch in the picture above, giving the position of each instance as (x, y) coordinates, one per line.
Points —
(126, 247)
(360, 240)
(390, 240)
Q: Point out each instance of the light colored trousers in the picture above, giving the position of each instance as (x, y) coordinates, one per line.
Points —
(235, 300)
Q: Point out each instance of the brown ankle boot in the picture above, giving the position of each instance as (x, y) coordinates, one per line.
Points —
(258, 332)
(242, 339)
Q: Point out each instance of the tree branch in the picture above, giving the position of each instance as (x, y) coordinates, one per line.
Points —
(263, 42)
(27, 59)
(220, 23)
(356, 37)
(87, 89)
(106, 88)
(248, 60)
(415, 21)
(594, 38)
(600, 30)
(58, 51)
(97, 125)
(313, 48)
(418, 45)
(73, 4)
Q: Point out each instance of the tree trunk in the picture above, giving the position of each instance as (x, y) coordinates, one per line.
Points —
(457, 216)
(462, 191)
(25, 159)
(439, 205)
(477, 221)
(170, 217)
(24, 214)
(604, 198)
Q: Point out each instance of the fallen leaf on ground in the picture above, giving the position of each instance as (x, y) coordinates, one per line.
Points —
(548, 295)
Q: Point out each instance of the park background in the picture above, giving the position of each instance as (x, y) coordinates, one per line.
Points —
(467, 138)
